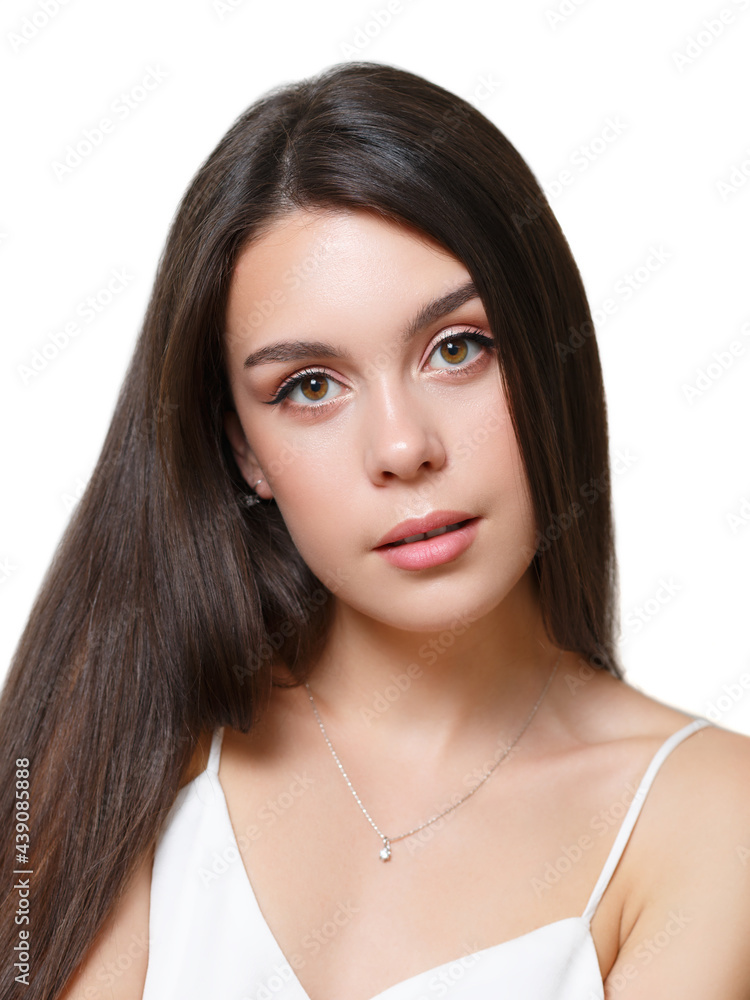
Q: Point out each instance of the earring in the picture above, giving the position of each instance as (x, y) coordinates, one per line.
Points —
(252, 498)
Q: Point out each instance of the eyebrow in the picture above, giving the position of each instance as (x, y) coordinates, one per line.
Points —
(298, 350)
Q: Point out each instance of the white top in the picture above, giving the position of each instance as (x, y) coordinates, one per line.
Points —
(208, 937)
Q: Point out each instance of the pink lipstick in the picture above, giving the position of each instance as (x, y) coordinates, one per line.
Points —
(450, 533)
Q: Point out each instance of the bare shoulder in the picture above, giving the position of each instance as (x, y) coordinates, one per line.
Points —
(703, 802)
(686, 915)
(700, 790)
(114, 968)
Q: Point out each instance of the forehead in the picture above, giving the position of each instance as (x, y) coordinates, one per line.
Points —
(326, 263)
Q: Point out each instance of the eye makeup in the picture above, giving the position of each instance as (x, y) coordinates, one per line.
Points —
(320, 376)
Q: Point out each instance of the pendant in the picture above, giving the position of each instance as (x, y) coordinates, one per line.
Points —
(385, 854)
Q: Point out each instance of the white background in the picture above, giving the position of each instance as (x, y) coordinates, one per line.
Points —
(549, 75)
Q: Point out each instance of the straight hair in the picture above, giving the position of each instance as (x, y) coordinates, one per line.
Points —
(167, 601)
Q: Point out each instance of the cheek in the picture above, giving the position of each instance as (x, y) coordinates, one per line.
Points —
(486, 449)
(481, 428)
(311, 487)
(494, 462)
(326, 536)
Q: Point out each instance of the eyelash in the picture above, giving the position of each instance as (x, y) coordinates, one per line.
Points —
(294, 380)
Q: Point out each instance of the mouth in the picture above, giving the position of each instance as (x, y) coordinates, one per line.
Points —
(445, 529)
(427, 550)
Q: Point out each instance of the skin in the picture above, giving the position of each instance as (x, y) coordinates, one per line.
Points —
(396, 437)
(399, 439)
(398, 434)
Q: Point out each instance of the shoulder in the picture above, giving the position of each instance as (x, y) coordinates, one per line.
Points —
(684, 878)
(94, 978)
(711, 759)
(699, 793)
(717, 757)
(703, 802)
(115, 965)
(686, 914)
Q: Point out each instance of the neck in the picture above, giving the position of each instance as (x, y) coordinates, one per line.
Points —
(430, 689)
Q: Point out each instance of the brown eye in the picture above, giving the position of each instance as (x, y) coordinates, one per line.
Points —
(308, 386)
(318, 387)
(454, 349)
(457, 348)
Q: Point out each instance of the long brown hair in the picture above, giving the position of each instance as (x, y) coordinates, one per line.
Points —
(168, 601)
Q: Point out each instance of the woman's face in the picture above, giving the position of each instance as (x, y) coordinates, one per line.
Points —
(376, 421)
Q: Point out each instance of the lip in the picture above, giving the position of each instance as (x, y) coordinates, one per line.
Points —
(418, 525)
(431, 551)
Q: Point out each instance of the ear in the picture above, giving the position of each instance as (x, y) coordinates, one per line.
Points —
(245, 458)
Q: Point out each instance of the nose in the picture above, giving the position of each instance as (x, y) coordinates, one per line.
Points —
(402, 435)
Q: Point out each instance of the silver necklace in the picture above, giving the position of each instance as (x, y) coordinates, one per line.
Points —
(385, 852)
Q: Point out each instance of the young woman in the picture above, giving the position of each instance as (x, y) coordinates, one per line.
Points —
(321, 698)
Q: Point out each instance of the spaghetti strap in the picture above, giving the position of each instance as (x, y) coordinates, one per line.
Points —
(631, 815)
(215, 752)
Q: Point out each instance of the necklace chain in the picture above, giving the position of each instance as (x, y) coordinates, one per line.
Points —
(385, 853)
